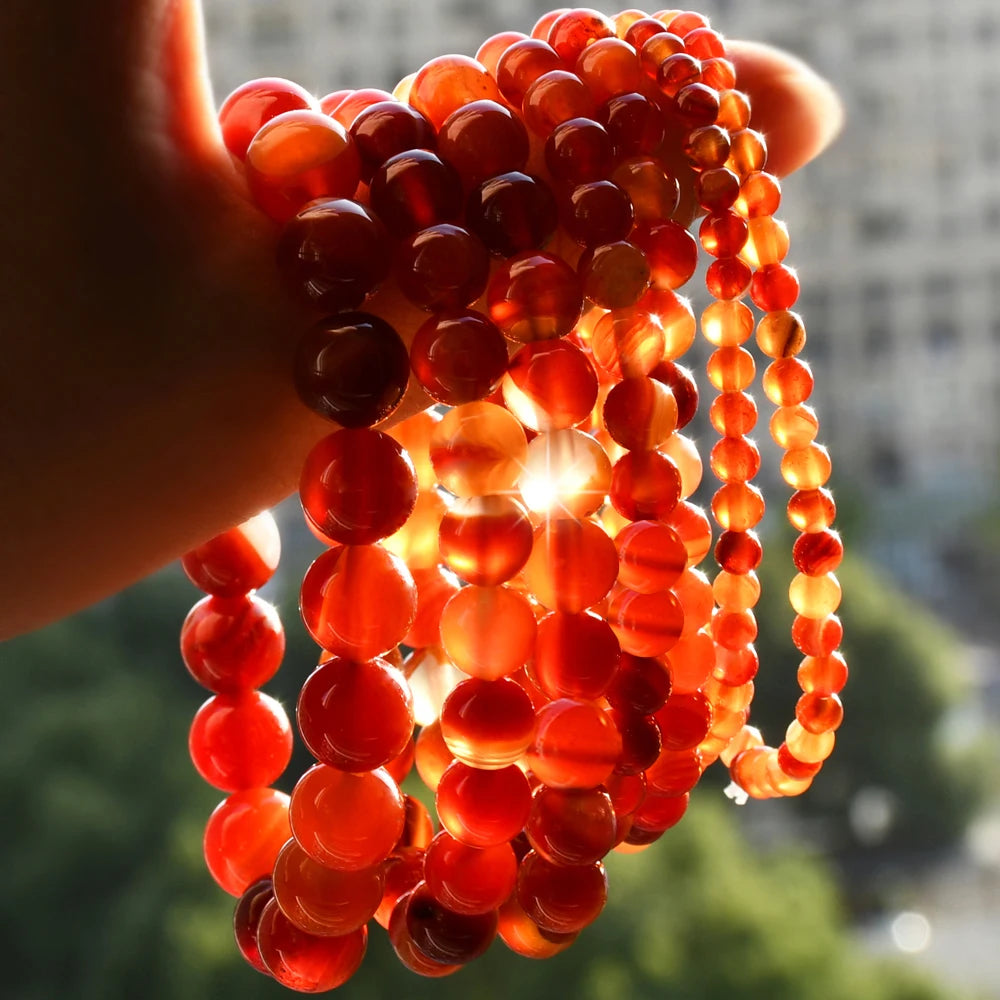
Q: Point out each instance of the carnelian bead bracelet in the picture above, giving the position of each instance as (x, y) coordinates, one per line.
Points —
(510, 596)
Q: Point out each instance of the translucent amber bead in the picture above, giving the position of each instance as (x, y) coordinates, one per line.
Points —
(819, 713)
(806, 468)
(682, 385)
(483, 808)
(575, 655)
(809, 747)
(657, 814)
(817, 636)
(572, 565)
(355, 716)
(774, 286)
(818, 552)
(651, 556)
(727, 324)
(760, 195)
(243, 837)
(565, 473)
(357, 486)
(734, 629)
(734, 591)
(495, 46)
(571, 826)
(240, 741)
(444, 935)
(635, 124)
(736, 666)
(645, 485)
(627, 343)
(487, 724)
(346, 821)
(416, 543)
(246, 921)
(448, 83)
(512, 213)
(387, 128)
(231, 644)
(354, 102)
(488, 632)
(811, 510)
(323, 901)
(728, 278)
(731, 369)
(486, 540)
(523, 63)
(796, 768)
(676, 72)
(693, 528)
(575, 745)
(781, 334)
(691, 661)
(640, 413)
(766, 243)
(403, 943)
(458, 357)
(550, 385)
(478, 448)
(695, 594)
(738, 551)
(608, 66)
(749, 771)
(733, 413)
(414, 190)
(737, 506)
(683, 452)
(524, 937)
(794, 427)
(305, 962)
(684, 720)
(432, 756)
(638, 31)
(483, 139)
(814, 596)
(653, 192)
(717, 189)
(535, 296)
(723, 234)
(469, 880)
(556, 97)
(735, 459)
(734, 110)
(674, 773)
(253, 104)
(788, 382)
(575, 30)
(358, 601)
(238, 560)
(656, 48)
(646, 624)
(403, 871)
(749, 151)
(671, 250)
(708, 149)
(578, 152)
(352, 369)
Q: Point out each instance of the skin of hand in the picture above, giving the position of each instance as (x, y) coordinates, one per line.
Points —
(145, 402)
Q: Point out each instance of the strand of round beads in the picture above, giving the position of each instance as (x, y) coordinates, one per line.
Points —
(514, 574)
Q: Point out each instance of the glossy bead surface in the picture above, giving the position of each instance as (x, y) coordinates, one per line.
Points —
(651, 556)
(671, 250)
(550, 385)
(466, 879)
(640, 413)
(579, 151)
(512, 212)
(575, 655)
(556, 97)
(565, 473)
(442, 267)
(414, 190)
(441, 934)
(535, 296)
(355, 716)
(576, 745)
(684, 720)
(523, 63)
(387, 128)
(238, 560)
(246, 920)
(487, 724)
(645, 485)
(447, 83)
(486, 540)
(572, 566)
(488, 632)
(646, 624)
(483, 808)
(253, 104)
(358, 486)
(483, 139)
(561, 899)
(346, 821)
(571, 826)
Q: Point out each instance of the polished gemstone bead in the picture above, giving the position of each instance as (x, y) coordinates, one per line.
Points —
(642, 29)
(717, 189)
(614, 276)
(819, 713)
(230, 644)
(323, 901)
(684, 720)
(571, 826)
(723, 234)
(693, 528)
(409, 955)
(387, 128)
(447, 83)
(579, 151)
(796, 768)
(733, 629)
(535, 296)
(728, 278)
(636, 125)
(576, 655)
(253, 104)
(483, 808)
(246, 921)
(458, 357)
(488, 632)
(640, 413)
(334, 253)
(824, 675)
(656, 48)
(737, 506)
(653, 192)
(414, 434)
(565, 473)
(575, 30)
(478, 448)
(351, 368)
(442, 935)
(806, 468)
(495, 46)
(467, 879)
(404, 870)
(814, 596)
(691, 661)
(298, 156)
(355, 716)
(683, 386)
(640, 740)
(572, 566)
(736, 666)
(730, 369)
(735, 459)
(819, 552)
(556, 97)
(738, 551)
(305, 962)
(358, 486)
(646, 624)
(416, 542)
(696, 105)
(658, 813)
(512, 212)
(749, 151)
(794, 427)
(651, 556)
(414, 190)
(561, 899)
(486, 540)
(674, 773)
(676, 72)
(240, 741)
(707, 148)
(524, 937)
(576, 745)
(523, 63)
(238, 560)
(774, 286)
(432, 754)
(767, 242)
(817, 636)
(671, 250)
(355, 102)
(442, 267)
(550, 385)
(598, 212)
(481, 140)
(734, 110)
(609, 67)
(243, 836)
(645, 485)
(733, 590)
(811, 509)
(627, 343)
(641, 684)
(760, 195)
(346, 821)
(418, 827)
(733, 413)
(358, 601)
(487, 724)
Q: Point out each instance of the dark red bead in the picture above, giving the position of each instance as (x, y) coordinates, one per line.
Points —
(512, 212)
(246, 920)
(522, 64)
(414, 190)
(352, 368)
(578, 151)
(640, 740)
(444, 936)
(483, 139)
(641, 684)
(636, 125)
(671, 250)
(738, 551)
(535, 296)
(387, 128)
(459, 357)
(597, 212)
(645, 485)
(442, 267)
(683, 386)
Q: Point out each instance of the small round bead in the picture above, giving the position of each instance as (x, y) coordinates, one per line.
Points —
(614, 276)
(556, 97)
(735, 459)
(774, 286)
(749, 151)
(253, 104)
(817, 636)
(579, 151)
(442, 267)
(512, 213)
(243, 837)
(636, 125)
(387, 128)
(495, 46)
(788, 382)
(811, 510)
(642, 684)
(671, 250)
(824, 675)
(728, 278)
(708, 149)
(486, 540)
(627, 343)
(738, 551)
(524, 937)
(522, 64)
(414, 190)
(488, 724)
(814, 596)
(653, 192)
(781, 334)
(819, 713)
(693, 528)
(550, 385)
(576, 30)
(357, 486)
(730, 369)
(447, 83)
(238, 560)
(819, 552)
(240, 741)
(717, 189)
(483, 808)
(651, 556)
(535, 296)
(402, 941)
(347, 821)
(808, 747)
(684, 720)
(766, 242)
(466, 879)
(575, 745)
(441, 934)
(561, 899)
(640, 413)
(353, 103)
(691, 661)
(571, 826)
(676, 72)
(738, 506)
(597, 212)
(645, 485)
(355, 716)
(683, 386)
(481, 140)
(734, 110)
(733, 413)
(723, 234)
(794, 427)
(575, 655)
(806, 468)
(645, 624)
(572, 566)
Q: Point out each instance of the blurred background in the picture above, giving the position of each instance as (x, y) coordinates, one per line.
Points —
(882, 883)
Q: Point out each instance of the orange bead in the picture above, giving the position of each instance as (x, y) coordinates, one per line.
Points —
(817, 636)
(432, 756)
(469, 880)
(446, 83)
(748, 152)
(734, 591)
(653, 192)
(671, 250)
(760, 195)
(416, 543)
(534, 296)
(575, 30)
(575, 745)
(495, 46)
(675, 772)
(794, 427)
(695, 594)
(727, 324)
(645, 485)
(811, 510)
(571, 826)
(524, 937)
(694, 530)
(414, 434)
(781, 334)
(646, 624)
(550, 385)
(561, 899)
(738, 506)
(488, 724)
(555, 97)
(523, 63)
(640, 413)
(572, 566)
(814, 596)
(651, 556)
(806, 468)
(731, 369)
(733, 413)
(823, 675)
(734, 110)
(809, 747)
(766, 242)
(691, 662)
(818, 713)
(576, 655)
(615, 274)
(627, 344)
(609, 66)
(483, 808)
(818, 552)
(684, 720)
(787, 382)
(486, 540)
(566, 473)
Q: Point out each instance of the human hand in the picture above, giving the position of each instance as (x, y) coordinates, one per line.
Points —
(147, 341)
